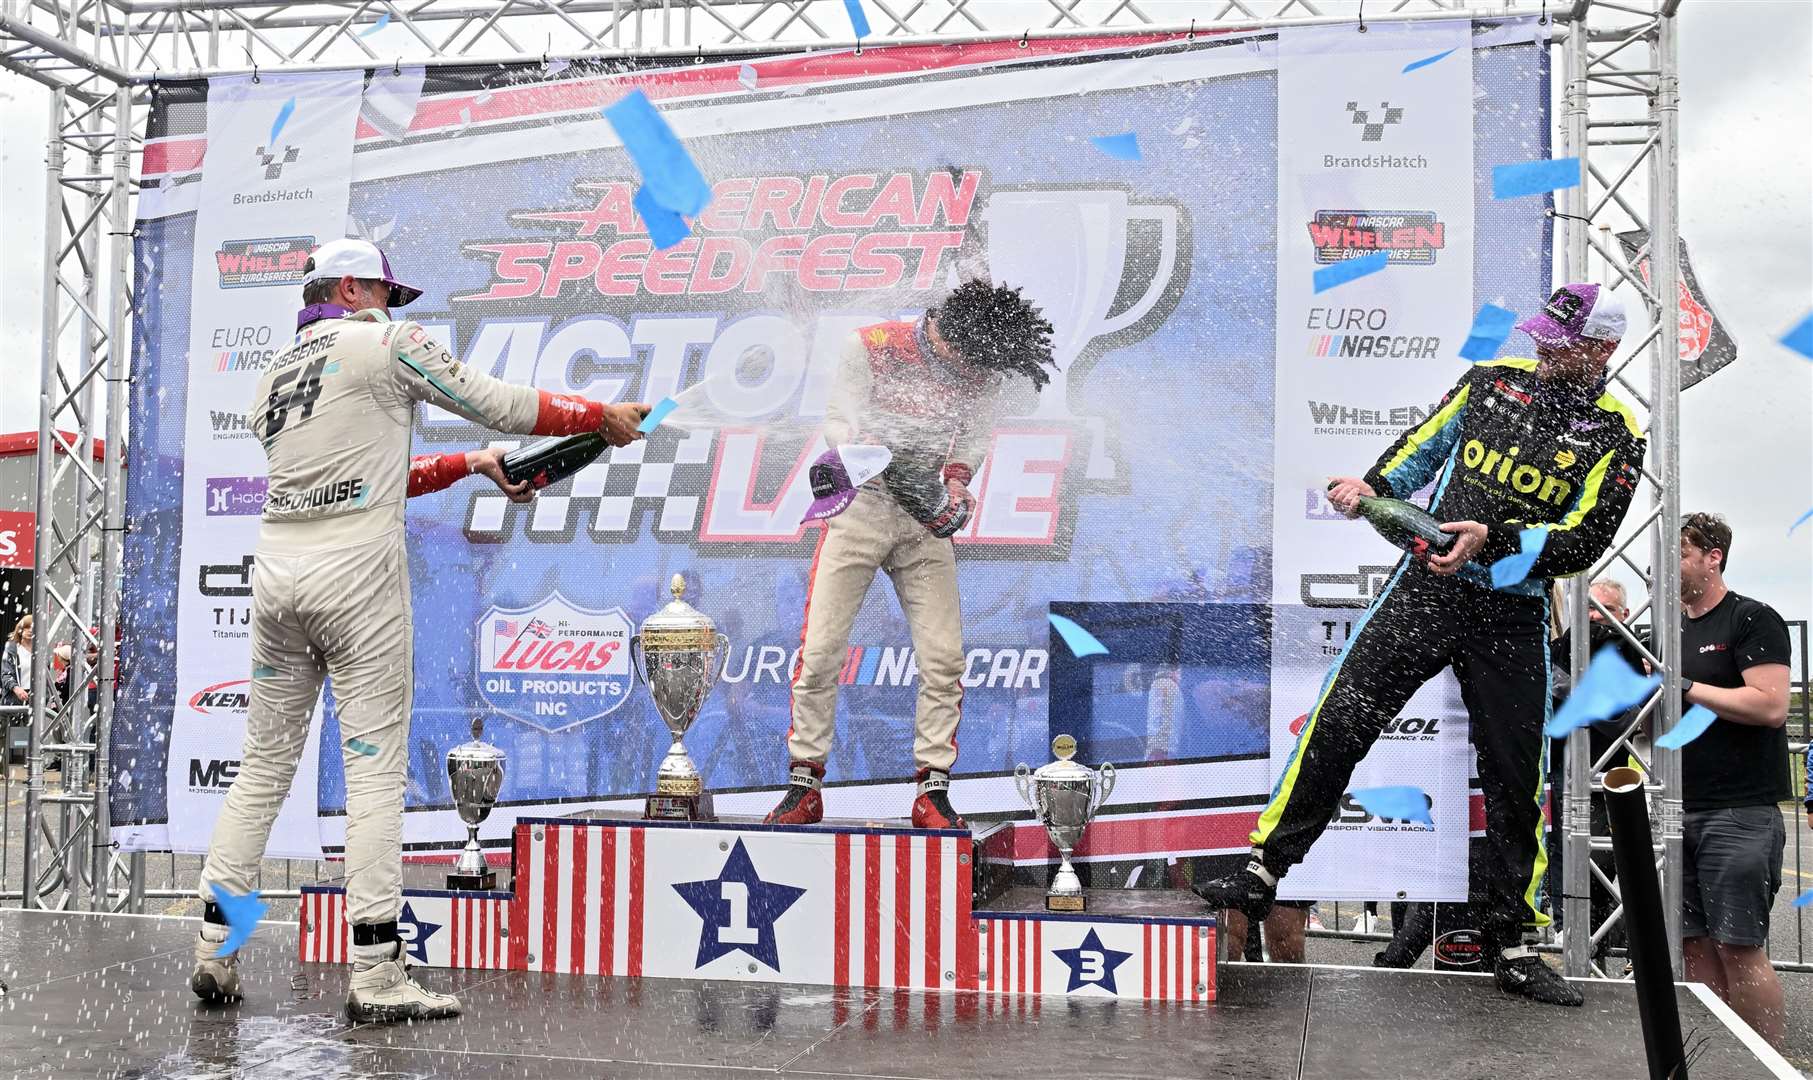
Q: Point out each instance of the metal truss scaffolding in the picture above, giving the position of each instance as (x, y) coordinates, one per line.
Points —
(99, 57)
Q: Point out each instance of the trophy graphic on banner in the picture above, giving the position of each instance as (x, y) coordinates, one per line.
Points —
(475, 772)
(1068, 251)
(1064, 796)
(680, 655)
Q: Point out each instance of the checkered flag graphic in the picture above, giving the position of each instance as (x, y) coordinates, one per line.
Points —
(1373, 130)
(665, 476)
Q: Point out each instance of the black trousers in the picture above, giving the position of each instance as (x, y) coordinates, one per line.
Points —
(1497, 644)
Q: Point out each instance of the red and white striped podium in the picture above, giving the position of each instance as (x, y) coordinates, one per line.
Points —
(858, 904)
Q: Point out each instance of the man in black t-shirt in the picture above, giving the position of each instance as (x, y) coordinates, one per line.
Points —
(1734, 661)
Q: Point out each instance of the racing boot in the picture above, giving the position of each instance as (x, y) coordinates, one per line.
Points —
(385, 993)
(1521, 971)
(932, 807)
(1250, 891)
(215, 979)
(804, 803)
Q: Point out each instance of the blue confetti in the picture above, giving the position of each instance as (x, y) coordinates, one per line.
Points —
(1425, 62)
(668, 171)
(1491, 327)
(1799, 521)
(1402, 803)
(665, 227)
(263, 671)
(1800, 339)
(283, 117)
(1348, 269)
(1123, 147)
(1609, 687)
(746, 75)
(360, 746)
(657, 414)
(243, 916)
(1803, 899)
(383, 21)
(1080, 641)
(1535, 177)
(1694, 723)
(859, 20)
(1513, 569)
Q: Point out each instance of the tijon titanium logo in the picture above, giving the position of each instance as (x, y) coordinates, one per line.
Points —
(1373, 122)
(1408, 237)
(277, 260)
(235, 496)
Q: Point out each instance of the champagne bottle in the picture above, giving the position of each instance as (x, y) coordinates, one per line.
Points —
(553, 459)
(1406, 525)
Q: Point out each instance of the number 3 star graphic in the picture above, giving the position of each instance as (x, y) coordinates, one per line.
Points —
(737, 910)
(1091, 964)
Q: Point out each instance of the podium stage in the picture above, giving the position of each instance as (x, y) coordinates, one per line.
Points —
(107, 995)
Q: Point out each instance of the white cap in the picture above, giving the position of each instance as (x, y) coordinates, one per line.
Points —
(360, 259)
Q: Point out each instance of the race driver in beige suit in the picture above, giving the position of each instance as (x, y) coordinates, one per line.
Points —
(330, 591)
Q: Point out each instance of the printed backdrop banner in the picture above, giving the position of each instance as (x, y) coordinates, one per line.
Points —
(1175, 459)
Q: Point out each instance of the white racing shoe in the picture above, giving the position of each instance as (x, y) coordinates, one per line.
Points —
(386, 993)
(215, 979)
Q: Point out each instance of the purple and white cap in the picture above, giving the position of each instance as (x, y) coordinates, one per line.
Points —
(1576, 313)
(360, 259)
(837, 474)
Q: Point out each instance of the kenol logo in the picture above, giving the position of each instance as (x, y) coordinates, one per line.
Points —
(223, 697)
(554, 665)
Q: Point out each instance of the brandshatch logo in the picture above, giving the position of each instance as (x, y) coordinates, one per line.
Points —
(1372, 125)
(273, 163)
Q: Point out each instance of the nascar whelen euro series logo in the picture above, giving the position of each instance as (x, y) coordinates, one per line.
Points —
(554, 665)
(1408, 237)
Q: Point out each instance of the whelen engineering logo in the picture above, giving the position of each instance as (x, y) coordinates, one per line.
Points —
(554, 665)
(250, 264)
(1335, 418)
(1408, 237)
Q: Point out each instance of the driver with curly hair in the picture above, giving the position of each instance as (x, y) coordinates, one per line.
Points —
(926, 390)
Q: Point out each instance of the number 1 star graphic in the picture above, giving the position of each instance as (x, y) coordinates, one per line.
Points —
(737, 910)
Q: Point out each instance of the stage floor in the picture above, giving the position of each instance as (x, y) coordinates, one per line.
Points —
(94, 995)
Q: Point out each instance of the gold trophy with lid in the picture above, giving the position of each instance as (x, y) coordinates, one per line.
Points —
(680, 655)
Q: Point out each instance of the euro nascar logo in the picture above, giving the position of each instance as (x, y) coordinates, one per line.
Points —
(554, 665)
(1409, 237)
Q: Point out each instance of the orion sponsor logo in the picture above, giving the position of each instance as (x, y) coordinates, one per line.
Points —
(1409, 237)
(230, 697)
(247, 264)
(894, 666)
(234, 496)
(555, 664)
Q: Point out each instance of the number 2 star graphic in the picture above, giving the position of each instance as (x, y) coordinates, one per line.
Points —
(737, 910)
(1091, 963)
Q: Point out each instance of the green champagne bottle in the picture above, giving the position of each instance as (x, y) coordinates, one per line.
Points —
(554, 459)
(1406, 525)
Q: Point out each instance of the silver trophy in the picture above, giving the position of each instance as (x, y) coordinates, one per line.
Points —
(680, 655)
(1065, 797)
(475, 772)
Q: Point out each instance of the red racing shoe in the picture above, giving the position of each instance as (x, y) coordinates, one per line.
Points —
(803, 804)
(932, 809)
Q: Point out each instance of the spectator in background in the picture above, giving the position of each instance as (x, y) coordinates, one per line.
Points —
(1734, 661)
(15, 665)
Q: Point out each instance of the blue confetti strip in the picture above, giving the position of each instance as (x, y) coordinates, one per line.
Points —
(1799, 521)
(1800, 339)
(383, 21)
(746, 75)
(1803, 899)
(243, 915)
(1609, 687)
(665, 227)
(657, 414)
(283, 117)
(668, 171)
(263, 671)
(1425, 61)
(1694, 723)
(859, 20)
(1348, 269)
(1080, 641)
(1122, 147)
(360, 746)
(1402, 803)
(1513, 569)
(1535, 177)
(1491, 327)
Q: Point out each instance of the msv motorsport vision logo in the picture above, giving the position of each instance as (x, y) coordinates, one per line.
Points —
(553, 665)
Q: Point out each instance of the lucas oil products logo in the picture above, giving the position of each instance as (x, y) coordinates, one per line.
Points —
(554, 665)
(279, 260)
(1408, 237)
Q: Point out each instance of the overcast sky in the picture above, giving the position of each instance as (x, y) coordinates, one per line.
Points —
(1747, 211)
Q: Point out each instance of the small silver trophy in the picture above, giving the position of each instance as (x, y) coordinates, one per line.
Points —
(475, 772)
(680, 655)
(1065, 797)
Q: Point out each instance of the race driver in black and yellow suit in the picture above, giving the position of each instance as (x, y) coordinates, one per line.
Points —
(1515, 444)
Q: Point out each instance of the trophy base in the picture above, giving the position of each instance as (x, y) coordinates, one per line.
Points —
(665, 807)
(485, 881)
(1065, 902)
